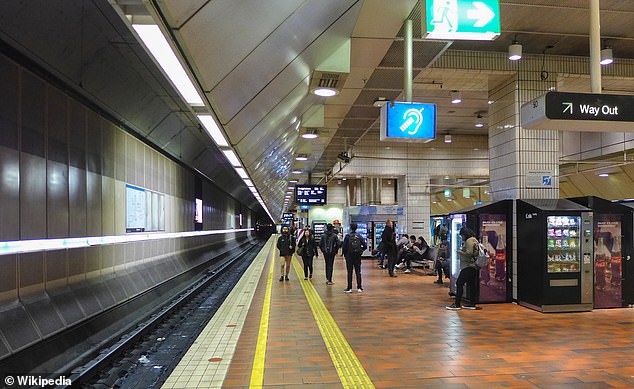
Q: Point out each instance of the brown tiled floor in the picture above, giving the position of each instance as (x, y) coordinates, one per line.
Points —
(404, 337)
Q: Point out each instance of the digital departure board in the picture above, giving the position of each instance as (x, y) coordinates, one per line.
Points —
(310, 194)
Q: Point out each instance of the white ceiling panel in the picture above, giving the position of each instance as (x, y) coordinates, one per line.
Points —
(303, 41)
(178, 11)
(231, 30)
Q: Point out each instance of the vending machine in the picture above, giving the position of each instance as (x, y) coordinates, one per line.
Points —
(554, 255)
(613, 265)
(362, 229)
(493, 225)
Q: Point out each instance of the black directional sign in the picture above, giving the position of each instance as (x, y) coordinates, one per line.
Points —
(310, 195)
(579, 112)
(588, 106)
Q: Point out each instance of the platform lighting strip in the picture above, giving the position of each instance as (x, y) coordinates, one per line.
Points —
(162, 52)
(27, 246)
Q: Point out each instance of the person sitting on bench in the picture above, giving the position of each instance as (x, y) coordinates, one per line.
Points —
(418, 252)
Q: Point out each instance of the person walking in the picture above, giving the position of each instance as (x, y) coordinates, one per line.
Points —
(329, 246)
(389, 246)
(353, 246)
(468, 270)
(286, 246)
(307, 249)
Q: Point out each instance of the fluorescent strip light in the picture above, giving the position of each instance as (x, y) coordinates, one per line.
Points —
(242, 173)
(232, 157)
(155, 41)
(253, 190)
(214, 131)
(248, 182)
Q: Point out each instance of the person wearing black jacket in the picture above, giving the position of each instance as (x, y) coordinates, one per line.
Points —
(308, 251)
(286, 246)
(353, 246)
(329, 245)
(389, 246)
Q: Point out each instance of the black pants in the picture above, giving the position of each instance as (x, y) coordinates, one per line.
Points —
(308, 265)
(391, 261)
(330, 260)
(440, 268)
(354, 261)
(468, 275)
(409, 257)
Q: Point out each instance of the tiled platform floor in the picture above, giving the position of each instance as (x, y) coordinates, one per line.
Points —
(404, 337)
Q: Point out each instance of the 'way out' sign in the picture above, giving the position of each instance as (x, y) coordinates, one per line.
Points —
(579, 112)
(461, 19)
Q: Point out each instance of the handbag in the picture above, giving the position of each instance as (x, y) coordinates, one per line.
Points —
(300, 251)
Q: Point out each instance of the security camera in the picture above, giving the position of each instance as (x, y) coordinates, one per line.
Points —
(343, 157)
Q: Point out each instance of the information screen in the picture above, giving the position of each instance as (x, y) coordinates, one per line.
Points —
(310, 194)
(134, 209)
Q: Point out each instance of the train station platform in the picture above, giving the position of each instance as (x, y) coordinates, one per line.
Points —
(397, 333)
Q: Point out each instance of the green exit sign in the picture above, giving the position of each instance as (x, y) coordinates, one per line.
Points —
(462, 19)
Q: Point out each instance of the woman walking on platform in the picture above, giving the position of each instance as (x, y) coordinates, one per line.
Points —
(307, 248)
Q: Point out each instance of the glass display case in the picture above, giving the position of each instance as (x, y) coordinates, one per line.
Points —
(563, 254)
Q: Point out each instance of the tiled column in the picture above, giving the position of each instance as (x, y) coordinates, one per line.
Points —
(413, 196)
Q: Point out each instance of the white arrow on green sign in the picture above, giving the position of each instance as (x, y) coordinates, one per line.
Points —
(462, 19)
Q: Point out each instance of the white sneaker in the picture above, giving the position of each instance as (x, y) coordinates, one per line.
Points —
(347, 291)
(407, 271)
(360, 290)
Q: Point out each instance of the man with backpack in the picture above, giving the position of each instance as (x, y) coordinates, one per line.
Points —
(353, 246)
(329, 245)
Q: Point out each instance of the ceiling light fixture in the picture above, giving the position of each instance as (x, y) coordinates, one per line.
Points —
(242, 173)
(162, 52)
(301, 157)
(213, 130)
(248, 182)
(604, 175)
(606, 56)
(232, 157)
(324, 92)
(478, 121)
(310, 134)
(456, 97)
(380, 101)
(293, 181)
(296, 171)
(447, 138)
(515, 51)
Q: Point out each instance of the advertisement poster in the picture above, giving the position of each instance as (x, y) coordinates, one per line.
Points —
(607, 261)
(493, 277)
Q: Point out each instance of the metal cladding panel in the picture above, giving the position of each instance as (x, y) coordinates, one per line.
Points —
(234, 40)
(103, 295)
(56, 265)
(8, 277)
(44, 314)
(87, 299)
(77, 197)
(4, 349)
(67, 306)
(77, 263)
(9, 155)
(57, 165)
(285, 58)
(120, 155)
(108, 205)
(93, 259)
(17, 336)
(94, 208)
(118, 292)
(31, 270)
(93, 142)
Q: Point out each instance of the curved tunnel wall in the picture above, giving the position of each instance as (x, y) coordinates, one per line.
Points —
(63, 171)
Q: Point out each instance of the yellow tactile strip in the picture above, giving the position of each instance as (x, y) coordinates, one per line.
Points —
(206, 363)
(257, 374)
(351, 373)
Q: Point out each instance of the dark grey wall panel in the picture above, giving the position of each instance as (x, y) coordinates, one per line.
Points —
(9, 156)
(8, 277)
(77, 264)
(120, 156)
(33, 118)
(56, 264)
(77, 170)
(9, 193)
(108, 131)
(94, 226)
(68, 307)
(44, 314)
(18, 336)
(31, 270)
(32, 197)
(57, 164)
(93, 259)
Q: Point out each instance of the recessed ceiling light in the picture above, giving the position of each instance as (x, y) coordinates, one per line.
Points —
(232, 157)
(301, 157)
(324, 92)
(447, 138)
(296, 171)
(604, 175)
(310, 134)
(210, 125)
(293, 181)
(456, 97)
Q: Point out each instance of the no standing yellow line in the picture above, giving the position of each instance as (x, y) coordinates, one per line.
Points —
(351, 373)
(257, 374)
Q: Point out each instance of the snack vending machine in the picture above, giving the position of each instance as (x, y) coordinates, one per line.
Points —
(554, 255)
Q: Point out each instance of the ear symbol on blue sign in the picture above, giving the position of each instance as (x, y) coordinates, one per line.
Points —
(413, 119)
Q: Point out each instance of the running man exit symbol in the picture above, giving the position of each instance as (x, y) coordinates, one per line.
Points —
(462, 19)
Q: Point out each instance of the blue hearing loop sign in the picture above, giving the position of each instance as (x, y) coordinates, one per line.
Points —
(408, 121)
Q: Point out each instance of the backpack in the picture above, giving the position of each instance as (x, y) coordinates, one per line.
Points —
(330, 243)
(356, 244)
(481, 258)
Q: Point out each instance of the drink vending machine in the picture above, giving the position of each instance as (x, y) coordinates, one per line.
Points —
(492, 224)
(613, 265)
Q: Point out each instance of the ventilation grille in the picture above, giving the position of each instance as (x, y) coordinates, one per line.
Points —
(328, 80)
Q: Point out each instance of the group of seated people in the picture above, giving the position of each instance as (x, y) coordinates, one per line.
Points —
(410, 248)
